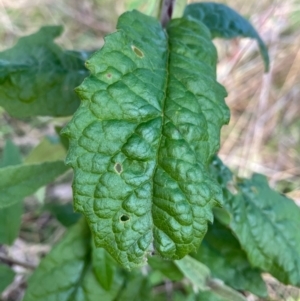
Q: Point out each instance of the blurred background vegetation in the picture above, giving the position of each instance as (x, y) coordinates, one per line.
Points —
(263, 135)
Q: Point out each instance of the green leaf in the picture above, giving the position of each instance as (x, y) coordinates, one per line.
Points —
(209, 296)
(6, 277)
(167, 267)
(64, 213)
(266, 223)
(10, 217)
(200, 277)
(19, 181)
(156, 277)
(11, 155)
(220, 293)
(141, 141)
(63, 140)
(65, 274)
(222, 253)
(224, 22)
(38, 78)
(136, 288)
(47, 150)
(104, 267)
(10, 222)
(195, 271)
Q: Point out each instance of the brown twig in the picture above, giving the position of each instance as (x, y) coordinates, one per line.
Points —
(166, 11)
(23, 264)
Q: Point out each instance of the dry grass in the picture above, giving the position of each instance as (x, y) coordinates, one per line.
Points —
(263, 135)
(264, 132)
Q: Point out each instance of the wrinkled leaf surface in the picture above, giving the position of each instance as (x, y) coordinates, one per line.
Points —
(265, 222)
(140, 143)
(222, 253)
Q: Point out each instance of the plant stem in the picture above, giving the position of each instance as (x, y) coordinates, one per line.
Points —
(166, 10)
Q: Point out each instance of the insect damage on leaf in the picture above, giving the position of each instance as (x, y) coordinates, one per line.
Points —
(124, 218)
(141, 141)
(118, 168)
(137, 51)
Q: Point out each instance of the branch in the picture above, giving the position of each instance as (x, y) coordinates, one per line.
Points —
(166, 11)
(23, 264)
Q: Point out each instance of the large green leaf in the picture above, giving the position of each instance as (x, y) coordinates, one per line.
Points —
(65, 274)
(19, 181)
(265, 222)
(224, 22)
(38, 78)
(140, 143)
(222, 253)
(10, 217)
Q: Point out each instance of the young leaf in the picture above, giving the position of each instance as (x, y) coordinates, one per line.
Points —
(222, 253)
(140, 143)
(220, 293)
(38, 78)
(104, 267)
(195, 271)
(276, 249)
(11, 155)
(64, 213)
(65, 274)
(167, 267)
(199, 275)
(224, 22)
(10, 222)
(266, 224)
(6, 277)
(63, 140)
(136, 288)
(46, 151)
(17, 182)
(10, 217)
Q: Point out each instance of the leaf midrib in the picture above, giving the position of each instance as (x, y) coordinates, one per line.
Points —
(162, 119)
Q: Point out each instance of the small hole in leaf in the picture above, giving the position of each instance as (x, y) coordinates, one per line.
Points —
(124, 218)
(118, 168)
(137, 51)
(108, 75)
